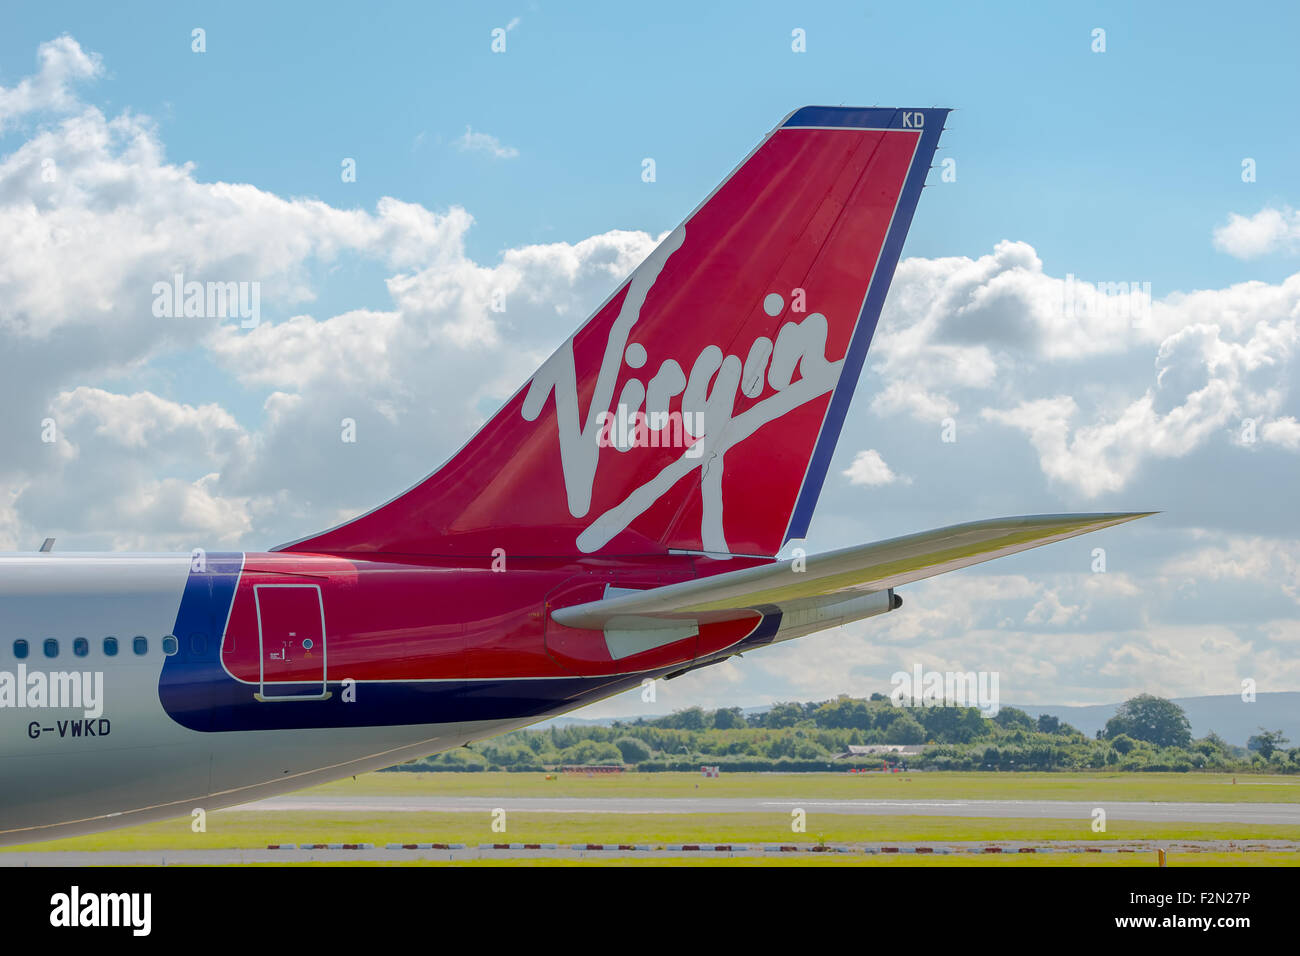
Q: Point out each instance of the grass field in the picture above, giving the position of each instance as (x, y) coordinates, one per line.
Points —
(1161, 787)
(249, 830)
(244, 830)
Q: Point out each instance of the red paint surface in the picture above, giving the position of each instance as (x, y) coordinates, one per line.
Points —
(420, 621)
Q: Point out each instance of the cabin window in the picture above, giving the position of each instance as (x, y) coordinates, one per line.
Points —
(140, 645)
(110, 647)
(81, 647)
(51, 647)
(20, 648)
(169, 645)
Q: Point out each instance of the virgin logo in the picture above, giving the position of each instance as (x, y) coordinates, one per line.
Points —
(707, 405)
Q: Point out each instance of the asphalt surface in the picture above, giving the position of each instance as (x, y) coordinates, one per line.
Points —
(571, 853)
(1239, 813)
(1259, 813)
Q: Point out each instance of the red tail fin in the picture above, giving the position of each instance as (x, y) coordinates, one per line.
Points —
(698, 408)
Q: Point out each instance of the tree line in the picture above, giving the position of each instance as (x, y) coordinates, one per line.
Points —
(1147, 733)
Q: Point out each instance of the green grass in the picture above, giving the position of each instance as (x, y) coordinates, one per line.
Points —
(246, 830)
(1162, 787)
(243, 829)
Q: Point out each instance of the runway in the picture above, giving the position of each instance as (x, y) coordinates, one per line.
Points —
(1287, 814)
(1254, 813)
(76, 858)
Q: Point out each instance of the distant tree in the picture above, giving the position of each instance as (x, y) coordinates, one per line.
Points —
(632, 749)
(905, 729)
(783, 715)
(1266, 742)
(1211, 745)
(883, 717)
(808, 750)
(1153, 719)
(1122, 743)
(844, 713)
(507, 755)
(1048, 724)
(591, 752)
(728, 718)
(692, 718)
(1013, 718)
(952, 725)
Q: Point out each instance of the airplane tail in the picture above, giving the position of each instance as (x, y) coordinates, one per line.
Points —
(698, 408)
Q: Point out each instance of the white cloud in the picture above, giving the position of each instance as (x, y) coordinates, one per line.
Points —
(61, 63)
(1269, 230)
(85, 249)
(919, 402)
(472, 142)
(81, 251)
(1203, 383)
(870, 470)
(153, 466)
(1167, 660)
(1240, 558)
(1282, 431)
(998, 335)
(1049, 610)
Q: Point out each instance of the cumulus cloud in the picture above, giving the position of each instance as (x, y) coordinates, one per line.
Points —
(1269, 230)
(1282, 431)
(920, 403)
(958, 322)
(143, 456)
(61, 63)
(870, 470)
(82, 243)
(1049, 610)
(1239, 558)
(1103, 456)
(997, 335)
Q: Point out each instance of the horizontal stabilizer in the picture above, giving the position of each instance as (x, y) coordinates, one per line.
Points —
(836, 577)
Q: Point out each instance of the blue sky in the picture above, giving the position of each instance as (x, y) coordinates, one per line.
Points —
(1117, 164)
(523, 168)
